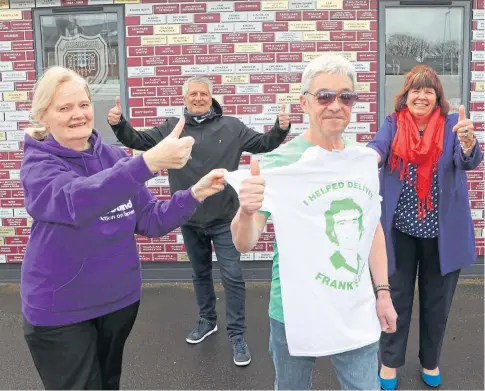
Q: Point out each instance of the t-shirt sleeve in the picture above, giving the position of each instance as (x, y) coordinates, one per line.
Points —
(270, 160)
(235, 178)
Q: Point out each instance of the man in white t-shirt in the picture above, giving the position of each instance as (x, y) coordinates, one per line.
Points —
(351, 246)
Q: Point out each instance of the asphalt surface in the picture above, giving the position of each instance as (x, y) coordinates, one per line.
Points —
(157, 356)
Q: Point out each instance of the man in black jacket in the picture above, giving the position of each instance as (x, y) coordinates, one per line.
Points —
(219, 143)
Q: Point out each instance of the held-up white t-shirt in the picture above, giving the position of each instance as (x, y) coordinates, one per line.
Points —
(325, 209)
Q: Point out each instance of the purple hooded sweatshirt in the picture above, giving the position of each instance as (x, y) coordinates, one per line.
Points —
(82, 260)
(456, 238)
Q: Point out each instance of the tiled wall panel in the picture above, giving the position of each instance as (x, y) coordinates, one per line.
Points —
(254, 51)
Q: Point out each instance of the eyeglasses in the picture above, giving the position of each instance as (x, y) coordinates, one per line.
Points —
(326, 97)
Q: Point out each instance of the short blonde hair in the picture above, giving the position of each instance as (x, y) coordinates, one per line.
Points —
(44, 92)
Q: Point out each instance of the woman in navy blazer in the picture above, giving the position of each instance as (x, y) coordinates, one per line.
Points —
(424, 153)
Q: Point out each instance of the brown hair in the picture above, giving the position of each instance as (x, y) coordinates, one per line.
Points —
(422, 76)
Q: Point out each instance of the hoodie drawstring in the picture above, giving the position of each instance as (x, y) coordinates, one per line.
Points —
(93, 154)
(85, 165)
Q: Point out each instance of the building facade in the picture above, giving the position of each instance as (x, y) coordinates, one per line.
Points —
(254, 51)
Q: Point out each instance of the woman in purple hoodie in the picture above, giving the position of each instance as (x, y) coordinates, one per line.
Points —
(424, 153)
(81, 276)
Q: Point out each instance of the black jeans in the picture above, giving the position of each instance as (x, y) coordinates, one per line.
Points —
(435, 297)
(199, 250)
(82, 356)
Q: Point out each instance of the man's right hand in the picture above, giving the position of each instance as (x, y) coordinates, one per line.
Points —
(114, 115)
(172, 152)
(251, 192)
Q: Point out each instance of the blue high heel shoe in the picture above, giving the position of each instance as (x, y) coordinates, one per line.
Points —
(388, 384)
(431, 380)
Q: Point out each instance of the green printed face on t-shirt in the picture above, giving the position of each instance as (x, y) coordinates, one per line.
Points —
(344, 228)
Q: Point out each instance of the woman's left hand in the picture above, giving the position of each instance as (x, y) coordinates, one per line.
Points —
(465, 129)
(386, 313)
(209, 185)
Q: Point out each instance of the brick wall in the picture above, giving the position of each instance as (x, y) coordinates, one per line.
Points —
(254, 51)
(477, 102)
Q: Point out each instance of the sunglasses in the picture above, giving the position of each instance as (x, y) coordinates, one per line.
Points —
(326, 97)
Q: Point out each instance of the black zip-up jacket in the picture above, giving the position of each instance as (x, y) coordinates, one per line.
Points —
(219, 143)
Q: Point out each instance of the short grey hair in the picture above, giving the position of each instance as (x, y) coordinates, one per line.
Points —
(326, 63)
(197, 79)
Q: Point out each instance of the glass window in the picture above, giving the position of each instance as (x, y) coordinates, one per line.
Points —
(433, 35)
(87, 41)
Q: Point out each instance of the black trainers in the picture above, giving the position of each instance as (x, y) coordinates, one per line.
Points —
(203, 329)
(240, 351)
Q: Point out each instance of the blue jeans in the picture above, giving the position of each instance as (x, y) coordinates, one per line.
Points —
(356, 369)
(199, 250)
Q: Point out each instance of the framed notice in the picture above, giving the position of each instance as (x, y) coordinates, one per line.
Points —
(90, 41)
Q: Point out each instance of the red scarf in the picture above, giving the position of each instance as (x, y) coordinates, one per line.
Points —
(423, 151)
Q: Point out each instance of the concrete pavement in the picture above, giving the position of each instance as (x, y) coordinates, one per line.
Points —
(157, 356)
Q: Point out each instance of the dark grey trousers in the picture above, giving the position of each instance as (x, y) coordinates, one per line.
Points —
(198, 243)
(418, 255)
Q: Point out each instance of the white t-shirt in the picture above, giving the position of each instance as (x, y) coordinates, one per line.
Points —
(325, 209)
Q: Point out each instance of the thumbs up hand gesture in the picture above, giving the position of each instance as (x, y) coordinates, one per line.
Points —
(465, 130)
(114, 115)
(172, 152)
(283, 117)
(251, 192)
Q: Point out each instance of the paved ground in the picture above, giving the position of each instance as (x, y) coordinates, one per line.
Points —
(157, 356)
